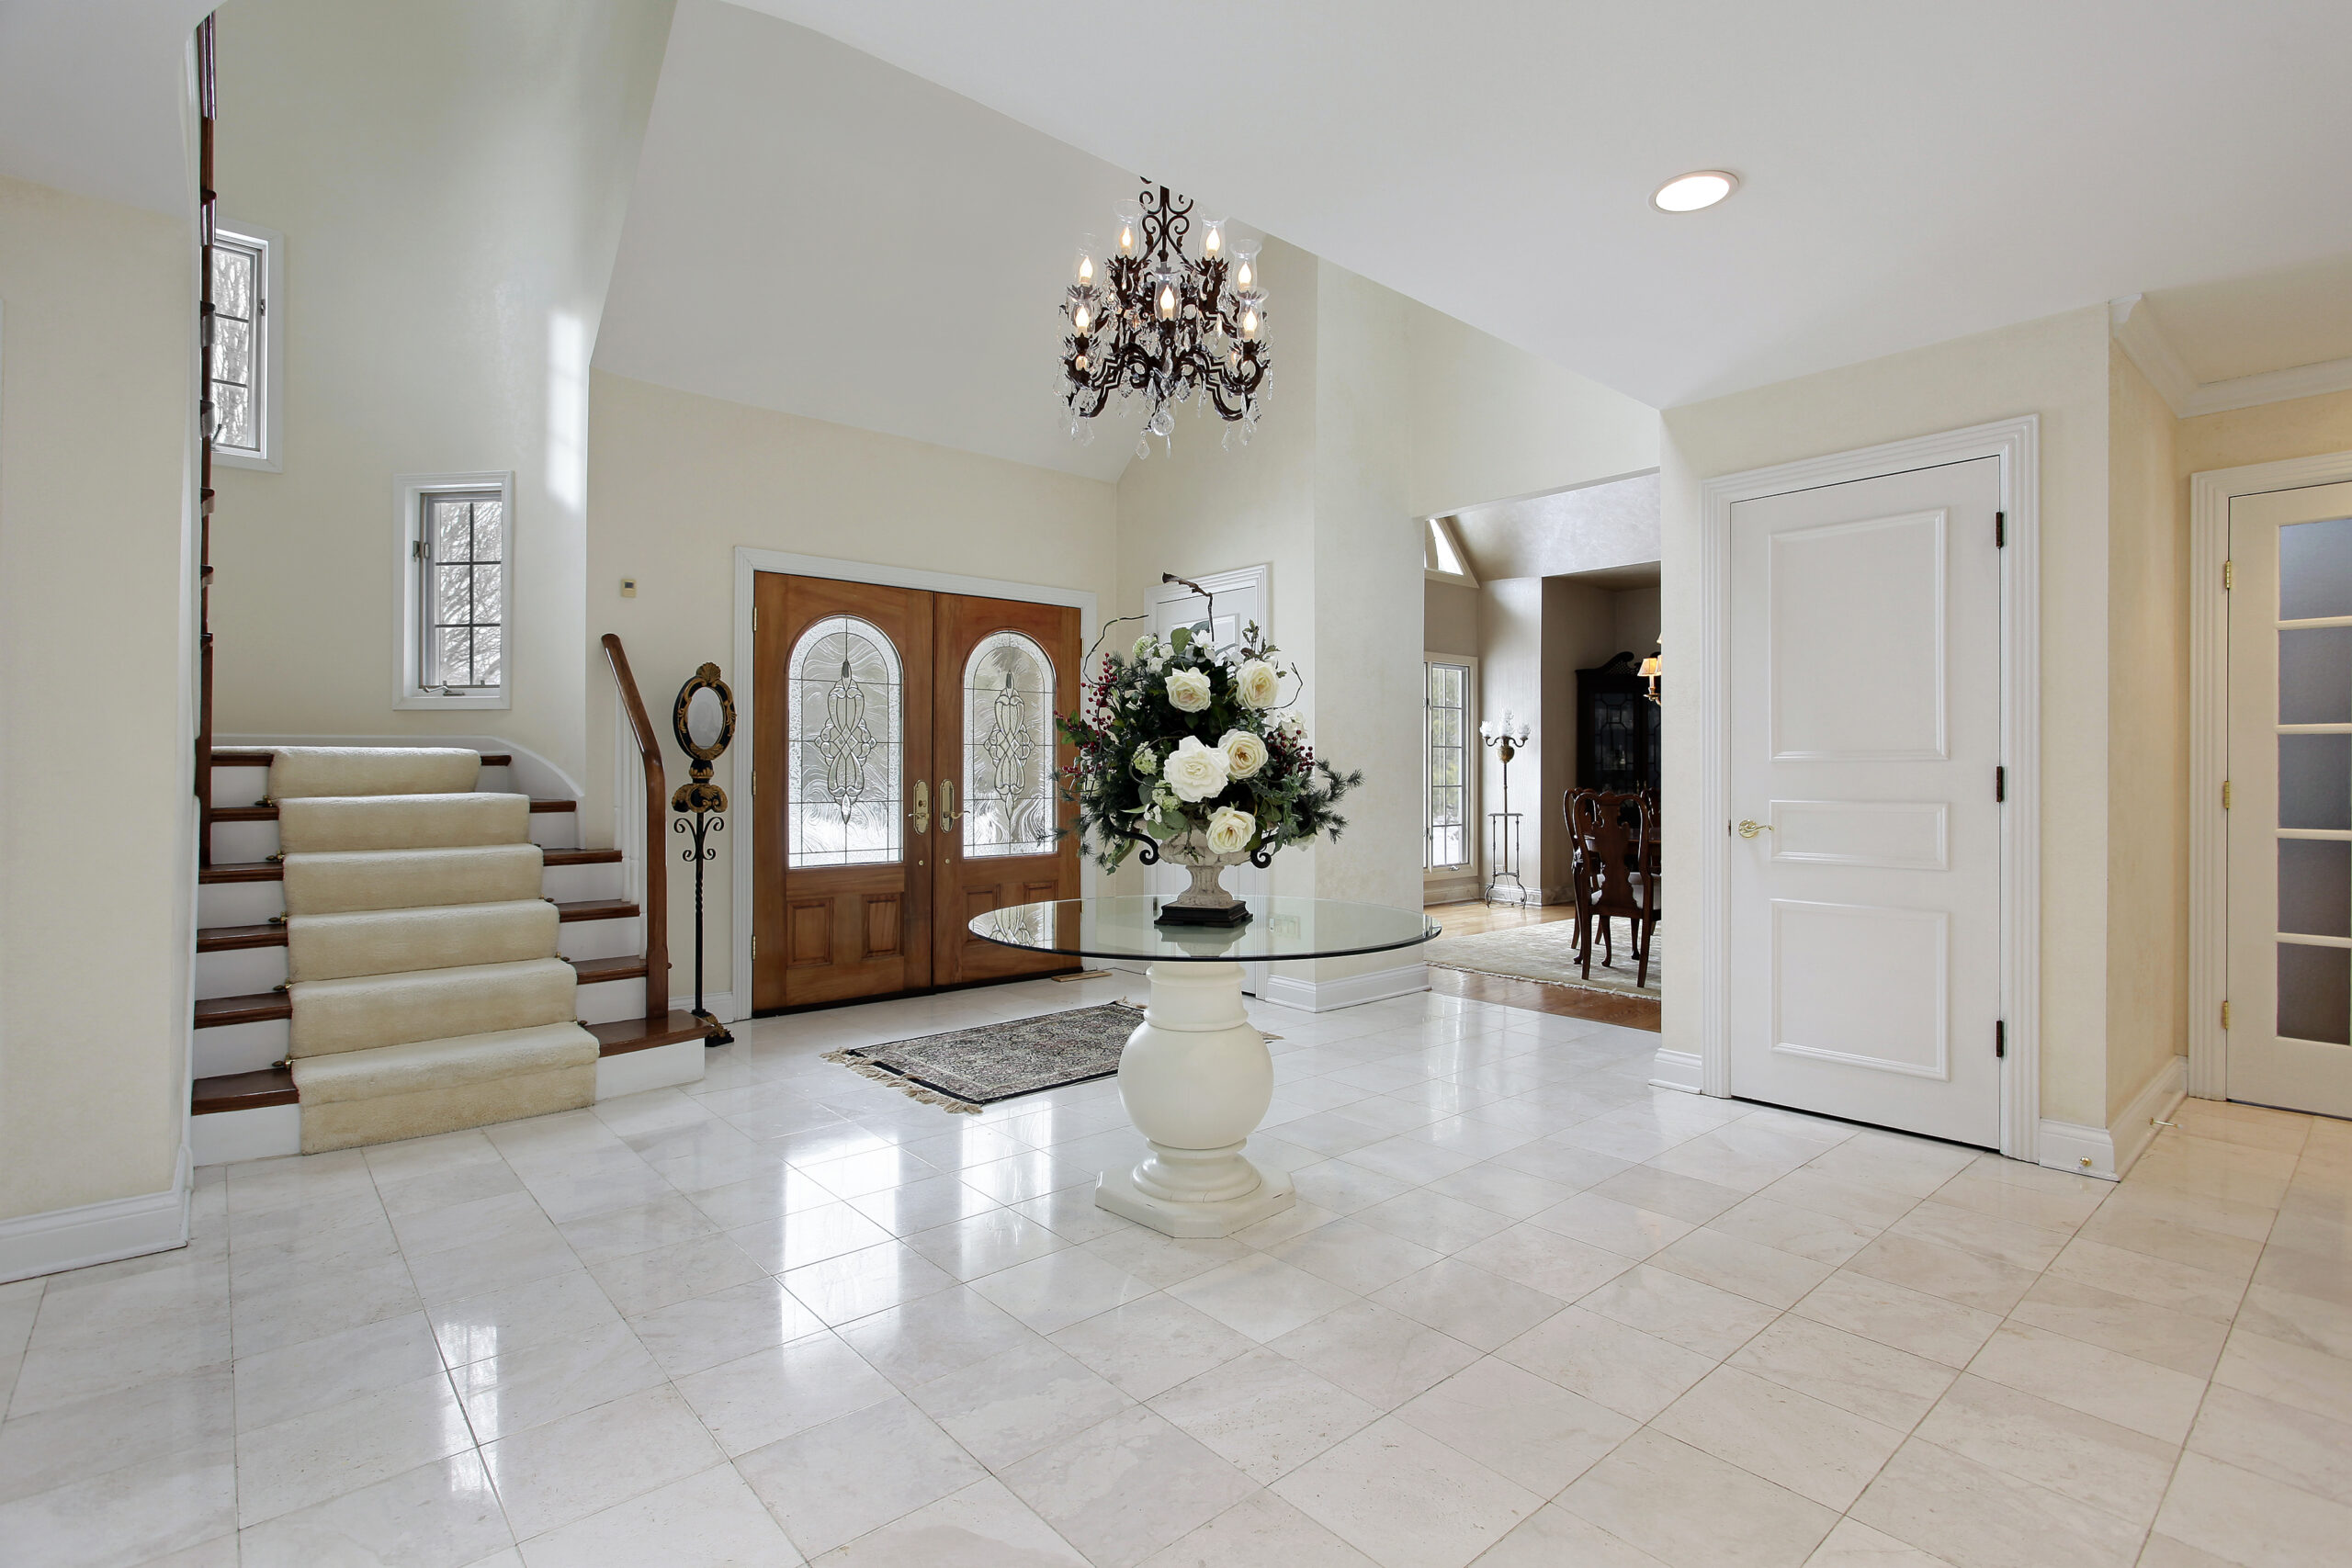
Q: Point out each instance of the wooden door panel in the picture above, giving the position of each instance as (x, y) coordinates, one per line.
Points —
(838, 913)
(972, 739)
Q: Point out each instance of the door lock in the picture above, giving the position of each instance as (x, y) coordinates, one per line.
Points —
(921, 812)
(1749, 828)
(948, 815)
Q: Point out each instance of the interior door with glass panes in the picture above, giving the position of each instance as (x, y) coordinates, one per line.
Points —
(842, 814)
(2289, 800)
(1004, 668)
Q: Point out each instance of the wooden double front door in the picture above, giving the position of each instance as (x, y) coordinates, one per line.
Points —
(905, 758)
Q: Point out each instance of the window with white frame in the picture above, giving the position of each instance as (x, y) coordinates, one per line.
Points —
(1446, 841)
(244, 356)
(458, 549)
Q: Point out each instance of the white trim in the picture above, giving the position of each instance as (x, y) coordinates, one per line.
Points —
(408, 492)
(2209, 494)
(1443, 525)
(1677, 1069)
(529, 774)
(1260, 577)
(1352, 990)
(2109, 1153)
(1472, 871)
(656, 1066)
(2145, 340)
(2016, 443)
(272, 457)
(749, 563)
(97, 1233)
(265, 1131)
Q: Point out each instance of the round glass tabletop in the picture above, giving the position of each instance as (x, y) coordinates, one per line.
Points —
(1281, 928)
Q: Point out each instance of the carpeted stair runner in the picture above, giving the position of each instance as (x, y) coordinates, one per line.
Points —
(426, 991)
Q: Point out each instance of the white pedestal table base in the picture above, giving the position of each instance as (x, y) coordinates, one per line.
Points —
(1196, 1080)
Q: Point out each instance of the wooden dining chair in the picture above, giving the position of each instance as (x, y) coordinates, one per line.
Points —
(1613, 857)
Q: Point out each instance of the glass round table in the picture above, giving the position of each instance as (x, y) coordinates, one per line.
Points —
(1195, 1076)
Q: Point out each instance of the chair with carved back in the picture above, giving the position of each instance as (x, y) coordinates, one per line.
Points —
(1613, 856)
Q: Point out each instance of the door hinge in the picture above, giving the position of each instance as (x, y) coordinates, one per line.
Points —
(755, 782)
(2225, 1015)
(755, 944)
(755, 617)
(2226, 795)
(416, 549)
(2000, 530)
(2000, 1038)
(2229, 575)
(2000, 783)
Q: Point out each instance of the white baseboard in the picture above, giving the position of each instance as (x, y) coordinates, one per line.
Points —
(658, 1067)
(720, 1005)
(2110, 1152)
(224, 1137)
(1450, 889)
(1355, 990)
(97, 1233)
(1676, 1070)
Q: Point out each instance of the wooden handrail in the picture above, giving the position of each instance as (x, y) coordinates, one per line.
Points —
(207, 210)
(657, 871)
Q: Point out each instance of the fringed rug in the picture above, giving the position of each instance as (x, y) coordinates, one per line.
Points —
(1548, 953)
(968, 1068)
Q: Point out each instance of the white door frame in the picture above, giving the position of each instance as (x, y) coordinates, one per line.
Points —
(749, 563)
(2016, 443)
(2209, 494)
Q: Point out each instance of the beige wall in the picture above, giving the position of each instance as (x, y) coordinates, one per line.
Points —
(1636, 611)
(97, 893)
(450, 178)
(2056, 367)
(2305, 427)
(2147, 761)
(1449, 617)
(676, 481)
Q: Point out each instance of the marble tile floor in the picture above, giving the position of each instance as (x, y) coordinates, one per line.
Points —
(1529, 1310)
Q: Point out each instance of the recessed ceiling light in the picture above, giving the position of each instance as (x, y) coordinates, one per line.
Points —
(1689, 193)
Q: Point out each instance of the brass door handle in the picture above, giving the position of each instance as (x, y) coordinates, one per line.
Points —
(921, 812)
(948, 815)
(1748, 827)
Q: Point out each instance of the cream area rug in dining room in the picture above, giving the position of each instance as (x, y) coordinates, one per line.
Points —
(1548, 953)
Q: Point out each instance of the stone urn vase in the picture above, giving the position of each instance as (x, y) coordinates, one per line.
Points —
(1207, 902)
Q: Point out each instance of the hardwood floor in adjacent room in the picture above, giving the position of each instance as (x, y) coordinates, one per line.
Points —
(1475, 918)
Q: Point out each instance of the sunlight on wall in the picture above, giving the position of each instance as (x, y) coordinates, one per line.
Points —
(568, 410)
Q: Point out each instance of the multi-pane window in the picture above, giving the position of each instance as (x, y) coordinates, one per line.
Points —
(1445, 790)
(240, 329)
(845, 703)
(462, 564)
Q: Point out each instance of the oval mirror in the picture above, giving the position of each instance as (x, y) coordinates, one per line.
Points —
(704, 720)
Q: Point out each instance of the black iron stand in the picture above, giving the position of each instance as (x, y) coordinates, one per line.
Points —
(705, 822)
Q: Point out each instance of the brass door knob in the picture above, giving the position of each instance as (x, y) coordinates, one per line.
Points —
(1749, 828)
(921, 812)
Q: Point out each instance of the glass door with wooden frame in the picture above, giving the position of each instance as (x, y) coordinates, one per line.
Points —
(904, 762)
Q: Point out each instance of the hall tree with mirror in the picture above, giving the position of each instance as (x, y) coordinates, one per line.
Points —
(904, 768)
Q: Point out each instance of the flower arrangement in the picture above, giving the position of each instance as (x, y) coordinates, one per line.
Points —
(1180, 741)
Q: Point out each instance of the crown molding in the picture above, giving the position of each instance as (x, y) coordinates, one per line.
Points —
(2134, 327)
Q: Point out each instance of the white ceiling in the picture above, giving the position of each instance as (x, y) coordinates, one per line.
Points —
(2248, 325)
(91, 93)
(1593, 533)
(1912, 174)
(817, 232)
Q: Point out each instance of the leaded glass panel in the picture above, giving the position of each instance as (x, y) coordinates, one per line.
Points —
(1008, 748)
(845, 753)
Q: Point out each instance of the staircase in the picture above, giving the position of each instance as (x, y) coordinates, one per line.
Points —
(447, 932)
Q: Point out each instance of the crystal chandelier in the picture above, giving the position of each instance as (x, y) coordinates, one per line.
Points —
(1147, 319)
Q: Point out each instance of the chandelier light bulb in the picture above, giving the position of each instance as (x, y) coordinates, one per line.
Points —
(1213, 242)
(1126, 239)
(1243, 273)
(1079, 318)
(1167, 301)
(1086, 270)
(1250, 323)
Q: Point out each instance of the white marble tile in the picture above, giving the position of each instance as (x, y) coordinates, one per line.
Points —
(1261, 1296)
(808, 1235)
(1520, 1426)
(1854, 1544)
(1265, 1413)
(1694, 1315)
(2242, 1517)
(548, 1476)
(132, 1515)
(1985, 1283)
(772, 1393)
(833, 1483)
(1691, 1511)
(562, 1306)
(1890, 1386)
(931, 1336)
(443, 1514)
(707, 1330)
(1259, 1531)
(1482, 1310)
(1014, 1403)
(710, 1521)
(1405, 1499)
(1382, 1357)
(2115, 1387)
(323, 1454)
(2037, 1440)
(639, 1228)
(1121, 1490)
(1611, 1363)
(2296, 1446)
(533, 1385)
(1969, 1513)
(858, 1284)
(1148, 1347)
(189, 1420)
(1059, 1289)
(1793, 1439)
(1160, 1261)
(1502, 1190)
(1354, 1256)
(2179, 1340)
(1541, 1259)
(984, 1526)
(2288, 1373)
(665, 1276)
(1749, 1268)
(1897, 1315)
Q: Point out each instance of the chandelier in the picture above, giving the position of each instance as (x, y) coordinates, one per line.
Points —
(1148, 321)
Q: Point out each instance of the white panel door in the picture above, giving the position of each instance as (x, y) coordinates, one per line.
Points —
(2290, 799)
(1865, 934)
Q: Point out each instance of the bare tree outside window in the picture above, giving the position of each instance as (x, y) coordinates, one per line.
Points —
(462, 558)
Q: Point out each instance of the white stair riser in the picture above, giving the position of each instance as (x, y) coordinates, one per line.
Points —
(251, 903)
(610, 1001)
(245, 971)
(240, 1047)
(245, 786)
(236, 843)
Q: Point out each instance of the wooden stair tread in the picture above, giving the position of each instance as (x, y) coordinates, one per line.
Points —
(243, 1091)
(270, 871)
(269, 813)
(221, 759)
(213, 1013)
(642, 1033)
(227, 939)
(595, 971)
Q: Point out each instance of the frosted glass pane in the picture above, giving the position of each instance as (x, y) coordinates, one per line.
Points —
(233, 417)
(2315, 886)
(452, 534)
(2315, 569)
(2315, 781)
(1008, 748)
(232, 351)
(232, 281)
(2315, 675)
(2315, 994)
(489, 518)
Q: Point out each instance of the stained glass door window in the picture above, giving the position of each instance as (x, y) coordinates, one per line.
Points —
(1008, 748)
(847, 704)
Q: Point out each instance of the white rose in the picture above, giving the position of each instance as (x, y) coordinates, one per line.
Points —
(1258, 684)
(1196, 772)
(1230, 830)
(1189, 691)
(1244, 753)
(1292, 728)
